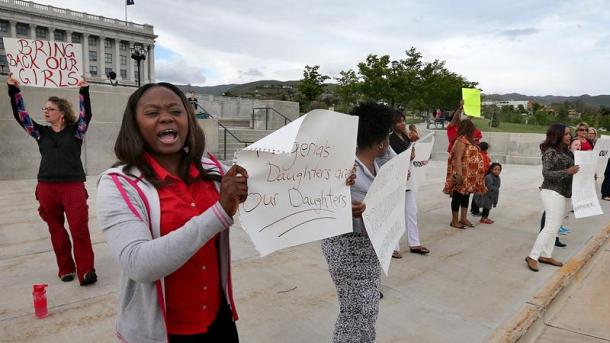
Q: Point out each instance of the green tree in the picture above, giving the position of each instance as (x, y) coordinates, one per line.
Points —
(348, 88)
(312, 85)
(374, 74)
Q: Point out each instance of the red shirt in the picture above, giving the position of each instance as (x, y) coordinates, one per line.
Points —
(193, 292)
(452, 133)
(486, 160)
(585, 145)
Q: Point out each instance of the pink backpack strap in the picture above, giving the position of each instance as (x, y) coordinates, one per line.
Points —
(134, 184)
(217, 164)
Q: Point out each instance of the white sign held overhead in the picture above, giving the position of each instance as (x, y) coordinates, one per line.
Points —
(39, 63)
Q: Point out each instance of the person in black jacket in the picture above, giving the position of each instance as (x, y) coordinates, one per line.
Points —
(61, 178)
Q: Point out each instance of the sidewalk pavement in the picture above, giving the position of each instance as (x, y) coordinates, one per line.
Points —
(471, 283)
(582, 314)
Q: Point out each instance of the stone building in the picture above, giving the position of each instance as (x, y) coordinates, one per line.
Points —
(106, 42)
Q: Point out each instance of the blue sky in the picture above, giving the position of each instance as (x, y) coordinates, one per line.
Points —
(535, 47)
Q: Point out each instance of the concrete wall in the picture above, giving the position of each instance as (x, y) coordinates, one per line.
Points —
(239, 108)
(513, 148)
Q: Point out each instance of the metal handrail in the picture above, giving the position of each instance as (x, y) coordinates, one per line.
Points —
(233, 135)
(254, 109)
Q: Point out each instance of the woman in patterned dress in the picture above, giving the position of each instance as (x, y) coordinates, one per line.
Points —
(465, 174)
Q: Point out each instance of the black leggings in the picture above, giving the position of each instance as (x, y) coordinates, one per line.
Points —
(485, 213)
(459, 200)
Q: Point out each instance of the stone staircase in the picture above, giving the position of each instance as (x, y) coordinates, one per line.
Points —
(244, 134)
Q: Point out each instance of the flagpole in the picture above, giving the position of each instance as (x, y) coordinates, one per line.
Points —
(125, 12)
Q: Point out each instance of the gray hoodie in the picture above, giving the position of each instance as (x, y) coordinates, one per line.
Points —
(146, 258)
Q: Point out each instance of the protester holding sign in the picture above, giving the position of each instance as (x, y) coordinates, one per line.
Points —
(582, 134)
(165, 212)
(606, 183)
(61, 178)
(556, 190)
(400, 143)
(465, 174)
(452, 128)
(352, 261)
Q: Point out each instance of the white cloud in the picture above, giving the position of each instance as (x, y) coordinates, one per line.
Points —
(535, 47)
(178, 71)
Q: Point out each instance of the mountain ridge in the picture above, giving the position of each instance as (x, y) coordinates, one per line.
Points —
(267, 86)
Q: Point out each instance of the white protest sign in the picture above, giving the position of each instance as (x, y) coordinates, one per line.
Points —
(40, 63)
(584, 195)
(296, 185)
(419, 165)
(602, 151)
(384, 216)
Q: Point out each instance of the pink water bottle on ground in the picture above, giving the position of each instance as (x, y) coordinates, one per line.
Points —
(40, 301)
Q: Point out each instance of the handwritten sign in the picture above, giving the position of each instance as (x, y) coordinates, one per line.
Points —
(419, 165)
(299, 196)
(602, 151)
(384, 216)
(472, 101)
(584, 195)
(39, 63)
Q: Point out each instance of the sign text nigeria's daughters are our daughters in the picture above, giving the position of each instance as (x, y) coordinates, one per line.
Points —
(40, 63)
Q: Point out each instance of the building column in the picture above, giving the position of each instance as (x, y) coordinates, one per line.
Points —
(13, 29)
(68, 36)
(101, 58)
(144, 66)
(32, 31)
(51, 34)
(117, 59)
(151, 62)
(130, 62)
(86, 55)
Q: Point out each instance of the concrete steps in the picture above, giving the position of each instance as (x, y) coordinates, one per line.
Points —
(232, 144)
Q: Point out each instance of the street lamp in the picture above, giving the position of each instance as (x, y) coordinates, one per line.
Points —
(394, 65)
(138, 53)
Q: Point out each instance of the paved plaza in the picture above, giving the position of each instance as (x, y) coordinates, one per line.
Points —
(472, 283)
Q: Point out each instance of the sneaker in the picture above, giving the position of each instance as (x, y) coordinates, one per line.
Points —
(564, 230)
(67, 277)
(90, 278)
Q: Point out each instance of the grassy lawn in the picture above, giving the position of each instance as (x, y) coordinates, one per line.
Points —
(483, 124)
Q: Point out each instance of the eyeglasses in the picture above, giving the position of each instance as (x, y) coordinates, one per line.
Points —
(582, 130)
(49, 109)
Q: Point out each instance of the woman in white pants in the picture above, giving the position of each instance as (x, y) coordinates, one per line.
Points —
(400, 140)
(555, 192)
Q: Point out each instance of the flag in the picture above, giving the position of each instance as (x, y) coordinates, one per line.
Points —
(129, 2)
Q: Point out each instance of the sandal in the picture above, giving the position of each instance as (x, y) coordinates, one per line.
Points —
(606, 198)
(486, 221)
(420, 250)
(469, 224)
(396, 254)
(459, 226)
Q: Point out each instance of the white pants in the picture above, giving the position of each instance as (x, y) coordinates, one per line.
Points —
(410, 220)
(555, 206)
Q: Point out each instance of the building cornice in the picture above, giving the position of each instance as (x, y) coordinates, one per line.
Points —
(67, 16)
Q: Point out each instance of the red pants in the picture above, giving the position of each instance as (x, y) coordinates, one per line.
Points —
(55, 198)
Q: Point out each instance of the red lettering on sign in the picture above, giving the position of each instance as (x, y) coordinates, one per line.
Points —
(48, 76)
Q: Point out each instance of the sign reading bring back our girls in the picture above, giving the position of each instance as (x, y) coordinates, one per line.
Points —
(40, 63)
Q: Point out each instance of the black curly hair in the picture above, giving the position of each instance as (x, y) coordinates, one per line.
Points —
(374, 123)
